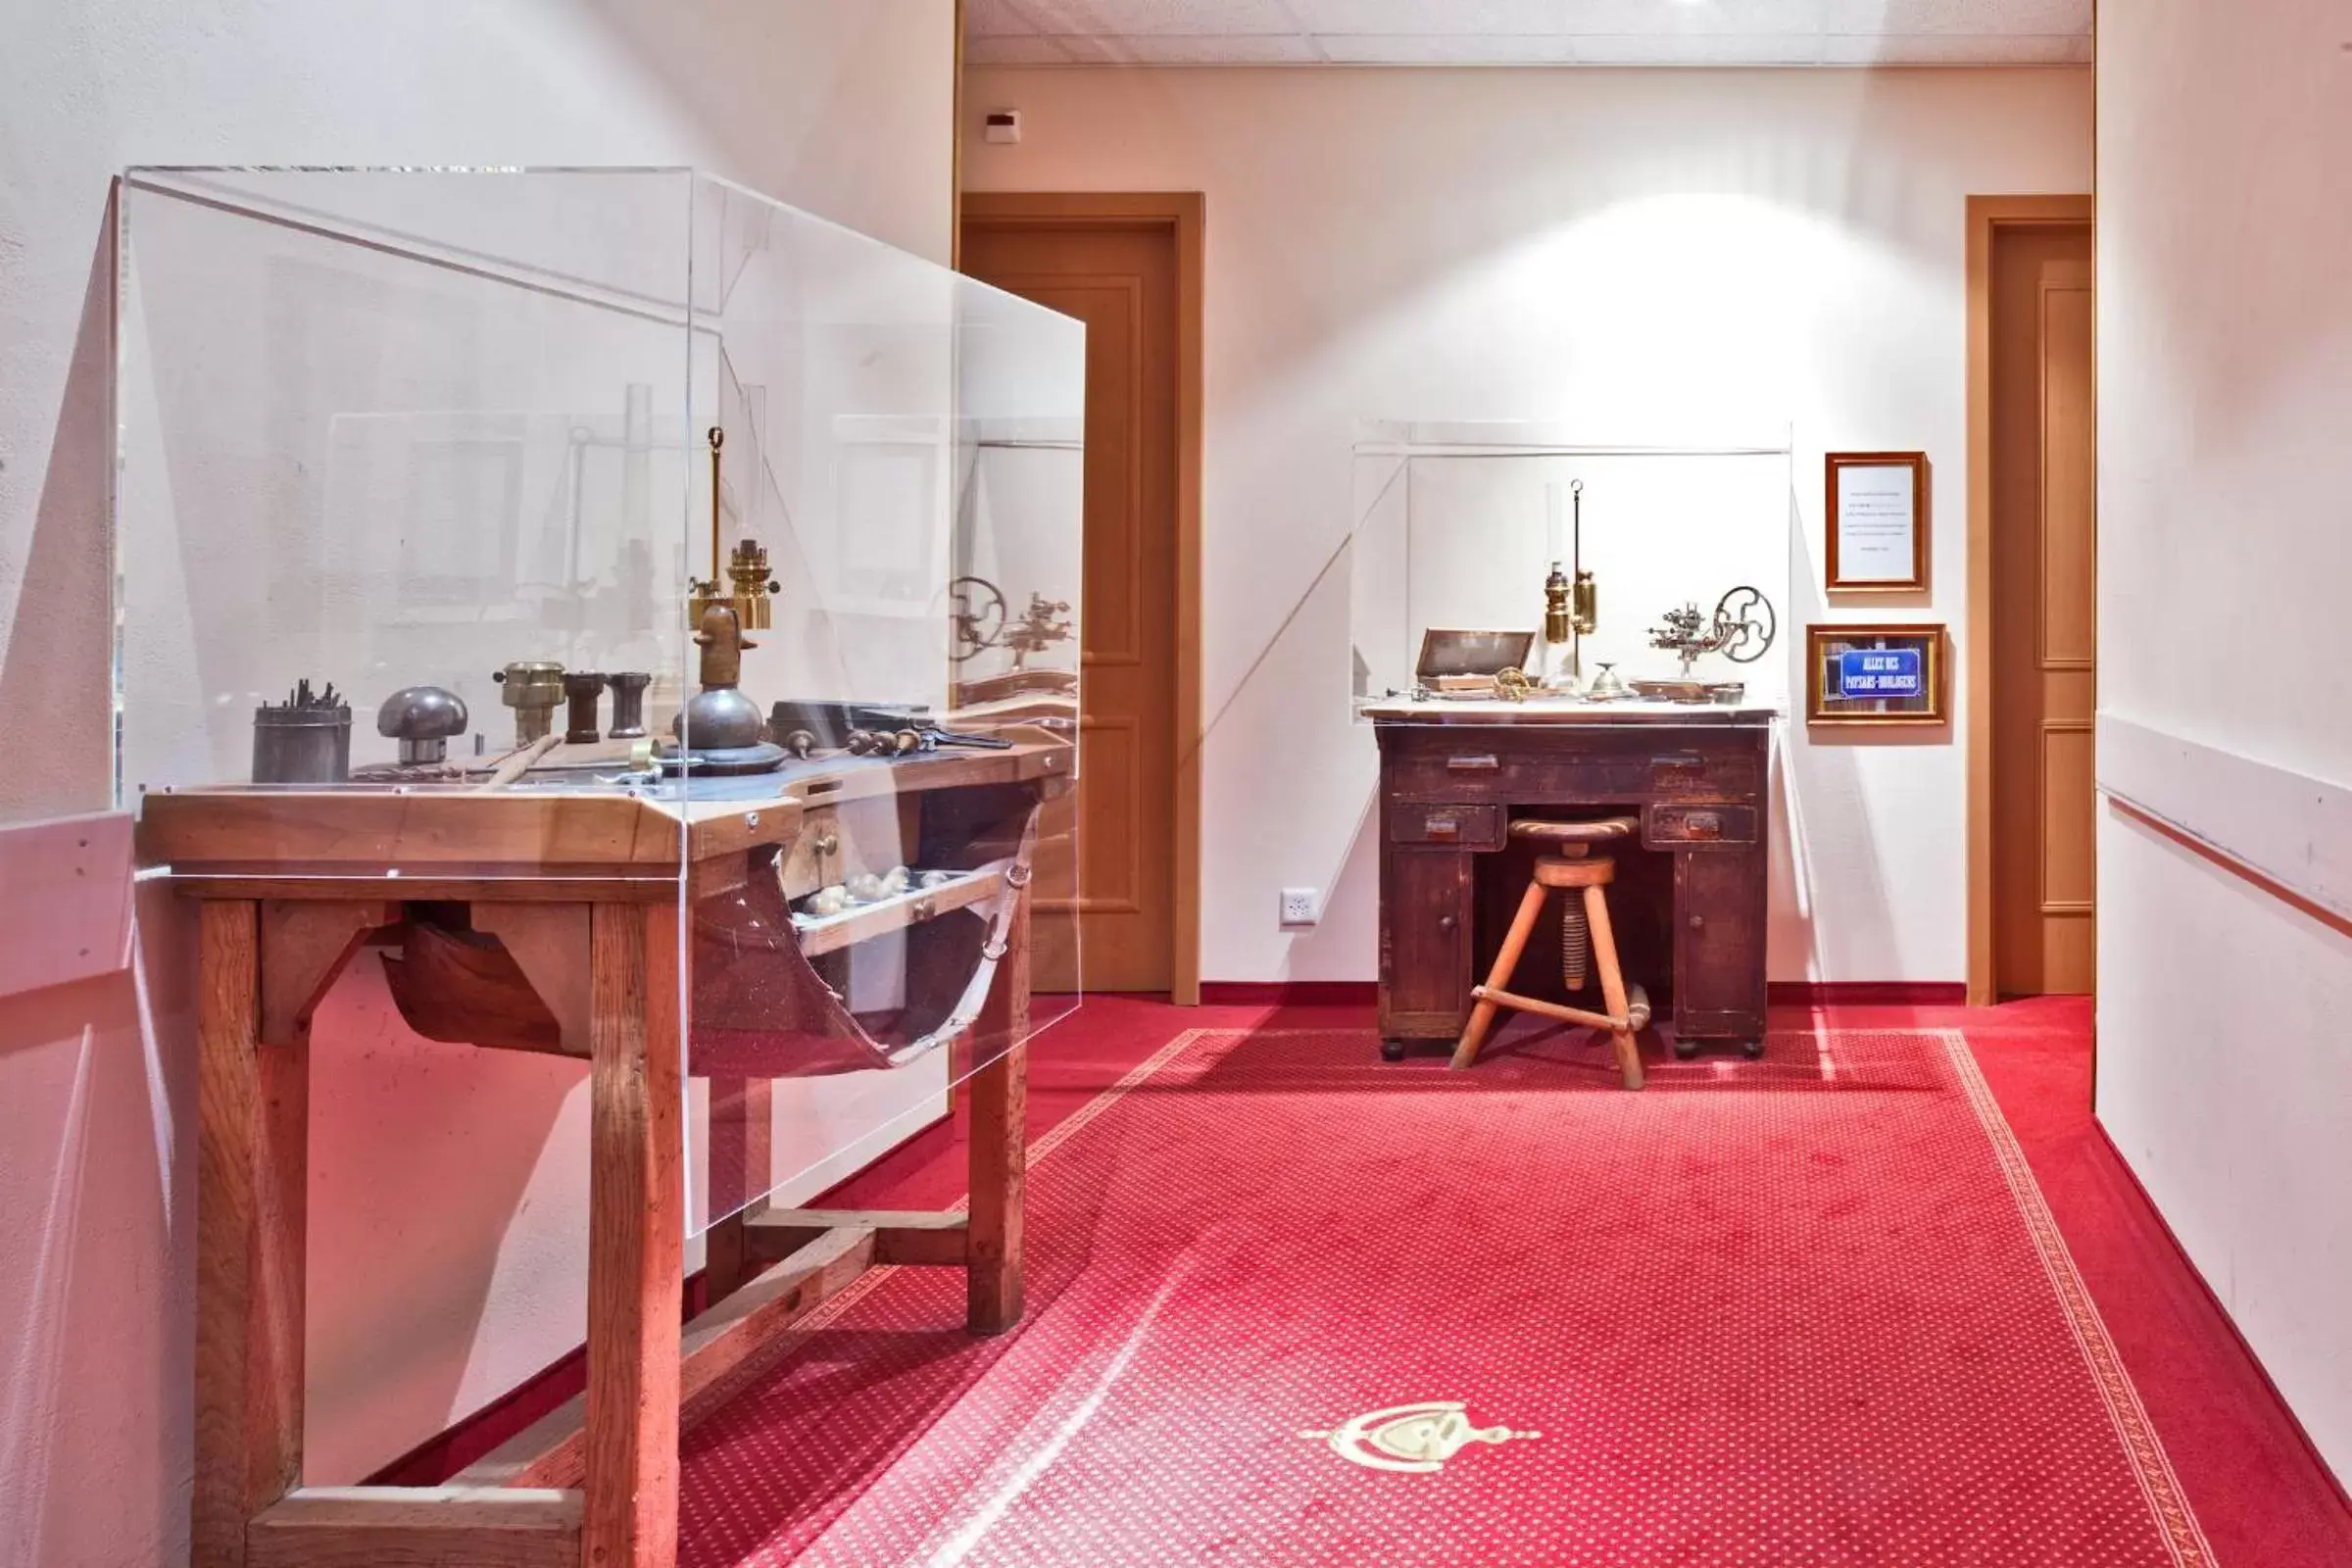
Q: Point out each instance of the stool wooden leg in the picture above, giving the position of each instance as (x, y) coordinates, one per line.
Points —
(1612, 986)
(1523, 926)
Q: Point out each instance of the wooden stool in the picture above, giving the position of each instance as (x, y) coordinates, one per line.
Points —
(1572, 867)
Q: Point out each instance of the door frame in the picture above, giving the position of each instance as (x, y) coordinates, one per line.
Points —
(1987, 217)
(1181, 213)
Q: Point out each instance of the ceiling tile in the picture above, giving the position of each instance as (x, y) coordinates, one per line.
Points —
(1162, 49)
(1534, 18)
(1955, 49)
(1722, 49)
(1140, 19)
(1970, 18)
(1447, 49)
(995, 18)
(1439, 33)
(1429, 19)
(999, 50)
(1645, 18)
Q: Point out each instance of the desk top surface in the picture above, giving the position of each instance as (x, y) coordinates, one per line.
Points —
(545, 826)
(1537, 710)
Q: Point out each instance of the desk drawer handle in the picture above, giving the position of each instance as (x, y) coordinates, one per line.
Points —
(1679, 761)
(1444, 922)
(1441, 829)
(1703, 824)
(1473, 764)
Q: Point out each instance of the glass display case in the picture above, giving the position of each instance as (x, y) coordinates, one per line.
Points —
(1660, 550)
(1572, 658)
(498, 549)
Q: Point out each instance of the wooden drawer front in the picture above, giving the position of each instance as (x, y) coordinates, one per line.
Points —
(1462, 827)
(1484, 772)
(1696, 826)
(1709, 773)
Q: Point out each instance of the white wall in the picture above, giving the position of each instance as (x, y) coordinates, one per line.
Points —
(1685, 253)
(453, 1172)
(2224, 542)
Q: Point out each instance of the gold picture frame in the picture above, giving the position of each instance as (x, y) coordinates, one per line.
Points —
(1880, 510)
(1831, 703)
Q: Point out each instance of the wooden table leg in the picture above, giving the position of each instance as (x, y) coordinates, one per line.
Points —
(636, 1228)
(742, 1124)
(252, 1187)
(999, 1149)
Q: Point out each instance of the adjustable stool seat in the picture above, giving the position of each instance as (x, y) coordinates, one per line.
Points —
(1573, 867)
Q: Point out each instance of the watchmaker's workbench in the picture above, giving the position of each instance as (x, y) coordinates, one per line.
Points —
(574, 903)
(1455, 775)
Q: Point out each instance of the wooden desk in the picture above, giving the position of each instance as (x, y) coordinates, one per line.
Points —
(583, 898)
(1453, 775)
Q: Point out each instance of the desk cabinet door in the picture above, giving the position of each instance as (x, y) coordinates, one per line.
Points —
(1425, 941)
(1719, 952)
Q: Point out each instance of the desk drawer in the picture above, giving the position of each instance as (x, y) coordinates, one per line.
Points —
(1696, 826)
(1472, 771)
(1708, 773)
(1465, 827)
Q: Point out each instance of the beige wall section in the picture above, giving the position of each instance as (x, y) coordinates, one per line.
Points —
(460, 1175)
(2225, 379)
(1645, 251)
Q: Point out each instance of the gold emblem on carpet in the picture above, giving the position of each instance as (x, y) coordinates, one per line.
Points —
(1411, 1438)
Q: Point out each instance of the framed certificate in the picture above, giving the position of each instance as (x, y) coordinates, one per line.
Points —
(1875, 674)
(1878, 522)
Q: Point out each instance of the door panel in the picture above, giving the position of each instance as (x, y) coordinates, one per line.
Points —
(1425, 954)
(2044, 612)
(1121, 282)
(1718, 948)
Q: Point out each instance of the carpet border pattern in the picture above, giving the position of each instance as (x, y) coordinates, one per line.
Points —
(2175, 1522)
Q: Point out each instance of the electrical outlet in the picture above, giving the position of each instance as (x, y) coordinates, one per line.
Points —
(1300, 906)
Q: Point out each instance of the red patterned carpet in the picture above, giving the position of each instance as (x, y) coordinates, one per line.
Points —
(1805, 1310)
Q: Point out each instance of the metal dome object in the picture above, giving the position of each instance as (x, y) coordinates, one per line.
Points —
(422, 718)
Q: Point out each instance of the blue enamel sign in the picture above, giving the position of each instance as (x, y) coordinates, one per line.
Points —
(1875, 674)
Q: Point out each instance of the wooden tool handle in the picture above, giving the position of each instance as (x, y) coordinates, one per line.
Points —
(516, 764)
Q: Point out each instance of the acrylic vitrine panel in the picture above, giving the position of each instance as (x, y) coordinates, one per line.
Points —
(368, 448)
(1458, 526)
(904, 445)
(644, 529)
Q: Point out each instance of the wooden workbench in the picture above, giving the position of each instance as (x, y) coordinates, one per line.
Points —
(588, 894)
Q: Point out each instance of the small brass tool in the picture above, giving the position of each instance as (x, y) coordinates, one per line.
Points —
(738, 580)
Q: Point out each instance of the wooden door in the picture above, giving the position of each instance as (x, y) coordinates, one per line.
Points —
(1121, 282)
(2044, 612)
